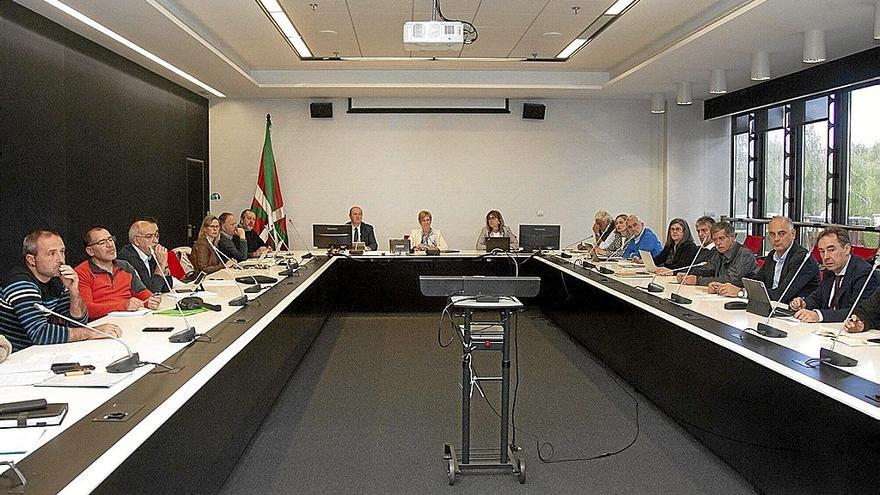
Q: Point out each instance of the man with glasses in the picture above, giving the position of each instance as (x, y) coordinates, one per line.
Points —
(144, 237)
(733, 262)
(109, 284)
(44, 279)
(781, 265)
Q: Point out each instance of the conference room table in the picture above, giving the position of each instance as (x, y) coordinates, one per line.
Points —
(787, 426)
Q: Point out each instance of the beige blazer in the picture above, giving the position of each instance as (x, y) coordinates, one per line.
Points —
(435, 239)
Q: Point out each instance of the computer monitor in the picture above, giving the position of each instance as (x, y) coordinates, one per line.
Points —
(331, 236)
(538, 237)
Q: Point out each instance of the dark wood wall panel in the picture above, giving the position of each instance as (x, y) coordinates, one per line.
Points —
(88, 137)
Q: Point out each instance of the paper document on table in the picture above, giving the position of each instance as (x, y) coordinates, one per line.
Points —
(94, 380)
(24, 378)
(129, 314)
(20, 440)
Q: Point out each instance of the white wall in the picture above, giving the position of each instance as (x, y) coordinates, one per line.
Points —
(584, 156)
(698, 164)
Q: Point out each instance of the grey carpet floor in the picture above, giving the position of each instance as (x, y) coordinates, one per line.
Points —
(371, 405)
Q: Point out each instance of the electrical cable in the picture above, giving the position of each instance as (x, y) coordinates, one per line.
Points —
(468, 40)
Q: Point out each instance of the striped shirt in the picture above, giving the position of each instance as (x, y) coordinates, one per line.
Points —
(24, 325)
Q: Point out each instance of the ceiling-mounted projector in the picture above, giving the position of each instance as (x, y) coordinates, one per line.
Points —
(433, 35)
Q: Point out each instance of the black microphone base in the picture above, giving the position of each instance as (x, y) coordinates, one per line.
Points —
(770, 332)
(606, 271)
(183, 336)
(587, 264)
(287, 273)
(239, 301)
(828, 356)
(306, 256)
(677, 298)
(124, 365)
(254, 289)
(654, 287)
(563, 254)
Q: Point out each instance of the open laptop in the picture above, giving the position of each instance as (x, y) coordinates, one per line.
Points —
(493, 243)
(648, 260)
(759, 300)
(399, 245)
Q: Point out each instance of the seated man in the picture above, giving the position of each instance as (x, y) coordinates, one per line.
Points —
(602, 229)
(704, 232)
(781, 265)
(733, 262)
(155, 273)
(232, 240)
(255, 245)
(107, 284)
(360, 231)
(843, 279)
(641, 239)
(44, 279)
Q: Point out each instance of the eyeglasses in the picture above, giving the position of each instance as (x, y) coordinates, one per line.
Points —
(103, 242)
(150, 236)
(214, 226)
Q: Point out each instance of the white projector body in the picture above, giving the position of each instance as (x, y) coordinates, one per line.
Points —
(432, 35)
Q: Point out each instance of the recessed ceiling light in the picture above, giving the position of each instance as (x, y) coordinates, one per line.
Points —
(129, 44)
(552, 34)
(328, 31)
(571, 48)
(618, 7)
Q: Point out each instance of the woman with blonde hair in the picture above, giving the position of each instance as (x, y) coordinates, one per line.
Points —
(425, 237)
(495, 227)
(204, 256)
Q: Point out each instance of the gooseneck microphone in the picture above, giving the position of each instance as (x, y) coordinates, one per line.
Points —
(242, 299)
(653, 287)
(828, 356)
(189, 333)
(254, 288)
(575, 243)
(305, 244)
(608, 271)
(765, 328)
(223, 257)
(675, 296)
(125, 364)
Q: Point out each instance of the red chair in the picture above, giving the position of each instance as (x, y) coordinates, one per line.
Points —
(816, 255)
(863, 252)
(755, 244)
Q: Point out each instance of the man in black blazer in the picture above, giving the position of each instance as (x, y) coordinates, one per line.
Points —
(144, 235)
(843, 279)
(781, 264)
(360, 231)
(866, 316)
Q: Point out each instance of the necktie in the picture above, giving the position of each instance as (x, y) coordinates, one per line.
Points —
(835, 299)
(357, 236)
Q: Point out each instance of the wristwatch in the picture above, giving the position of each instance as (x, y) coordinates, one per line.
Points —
(741, 294)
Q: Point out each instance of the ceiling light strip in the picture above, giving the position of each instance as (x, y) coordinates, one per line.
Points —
(182, 25)
(619, 7)
(283, 23)
(596, 27)
(129, 44)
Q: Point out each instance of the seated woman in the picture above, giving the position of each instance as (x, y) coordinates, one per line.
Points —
(204, 257)
(679, 250)
(425, 237)
(614, 242)
(495, 228)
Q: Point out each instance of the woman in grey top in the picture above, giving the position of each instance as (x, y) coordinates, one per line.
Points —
(495, 228)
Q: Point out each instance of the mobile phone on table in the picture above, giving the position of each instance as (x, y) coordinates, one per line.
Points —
(158, 329)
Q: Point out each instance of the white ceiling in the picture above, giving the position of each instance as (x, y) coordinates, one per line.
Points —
(232, 46)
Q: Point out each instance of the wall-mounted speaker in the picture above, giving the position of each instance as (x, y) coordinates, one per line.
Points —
(324, 110)
(533, 111)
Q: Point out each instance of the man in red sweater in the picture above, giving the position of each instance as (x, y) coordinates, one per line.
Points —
(107, 284)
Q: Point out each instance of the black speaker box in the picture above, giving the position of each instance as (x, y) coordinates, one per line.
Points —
(324, 110)
(533, 111)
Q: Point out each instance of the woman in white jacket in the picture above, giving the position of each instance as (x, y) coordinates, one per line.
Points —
(425, 237)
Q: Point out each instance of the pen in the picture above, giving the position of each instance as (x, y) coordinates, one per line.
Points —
(77, 373)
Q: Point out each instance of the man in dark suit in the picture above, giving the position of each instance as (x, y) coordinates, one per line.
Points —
(843, 279)
(360, 231)
(866, 315)
(781, 265)
(143, 235)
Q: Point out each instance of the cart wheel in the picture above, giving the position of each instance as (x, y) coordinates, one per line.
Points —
(521, 464)
(451, 472)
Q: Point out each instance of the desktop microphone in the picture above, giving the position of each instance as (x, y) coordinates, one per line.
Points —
(241, 300)
(653, 287)
(608, 271)
(254, 288)
(189, 333)
(305, 244)
(675, 296)
(828, 356)
(223, 257)
(125, 364)
(591, 236)
(765, 328)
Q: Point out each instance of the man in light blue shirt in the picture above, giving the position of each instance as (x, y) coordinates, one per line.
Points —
(641, 238)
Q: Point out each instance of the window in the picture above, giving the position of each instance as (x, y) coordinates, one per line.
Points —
(815, 157)
(864, 157)
(774, 172)
(742, 166)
